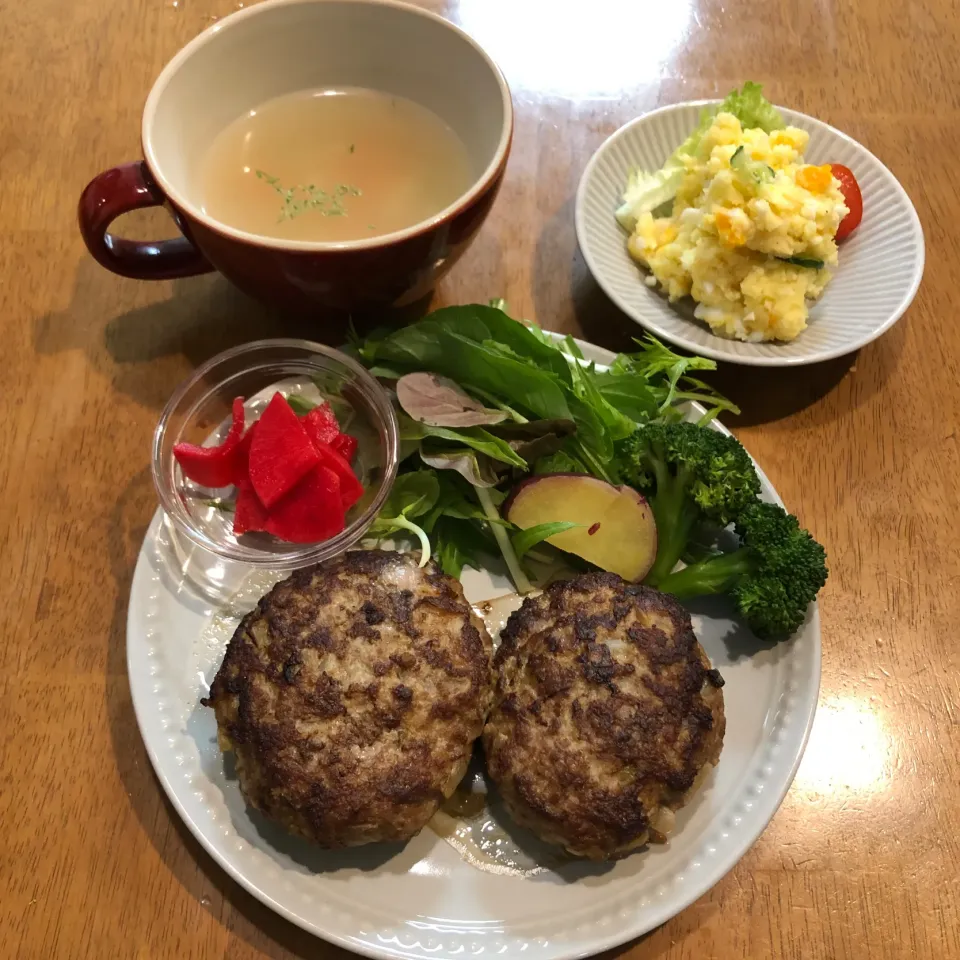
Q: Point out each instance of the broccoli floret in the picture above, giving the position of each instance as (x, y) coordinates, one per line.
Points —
(772, 577)
(690, 474)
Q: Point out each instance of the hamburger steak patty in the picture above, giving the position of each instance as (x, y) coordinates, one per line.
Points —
(605, 711)
(352, 695)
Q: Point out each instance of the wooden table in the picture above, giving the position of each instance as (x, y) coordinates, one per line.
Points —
(863, 859)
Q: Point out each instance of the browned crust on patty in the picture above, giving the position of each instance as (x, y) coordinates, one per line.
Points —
(605, 710)
(351, 697)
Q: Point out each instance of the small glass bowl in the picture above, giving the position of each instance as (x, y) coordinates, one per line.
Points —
(199, 412)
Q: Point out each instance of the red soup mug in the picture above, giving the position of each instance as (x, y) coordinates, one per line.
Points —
(279, 47)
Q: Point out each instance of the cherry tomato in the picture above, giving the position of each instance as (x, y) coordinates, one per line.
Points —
(851, 197)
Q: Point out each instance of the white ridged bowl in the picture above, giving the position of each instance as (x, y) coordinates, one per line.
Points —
(881, 263)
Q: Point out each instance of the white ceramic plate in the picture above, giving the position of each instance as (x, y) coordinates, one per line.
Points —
(425, 900)
(880, 264)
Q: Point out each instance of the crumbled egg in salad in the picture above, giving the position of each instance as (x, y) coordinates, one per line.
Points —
(747, 198)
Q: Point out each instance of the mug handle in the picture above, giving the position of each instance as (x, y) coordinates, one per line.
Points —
(120, 190)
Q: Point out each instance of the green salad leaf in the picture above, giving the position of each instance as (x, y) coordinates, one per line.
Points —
(559, 462)
(479, 439)
(422, 345)
(472, 468)
(628, 393)
(562, 415)
(752, 108)
(299, 404)
(623, 423)
(498, 369)
(460, 544)
(535, 438)
(646, 191)
(524, 540)
(413, 495)
(668, 375)
(616, 424)
(457, 501)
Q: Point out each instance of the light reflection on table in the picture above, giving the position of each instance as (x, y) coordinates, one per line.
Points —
(849, 749)
(595, 51)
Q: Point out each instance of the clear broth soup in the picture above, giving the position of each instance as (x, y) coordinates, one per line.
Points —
(333, 165)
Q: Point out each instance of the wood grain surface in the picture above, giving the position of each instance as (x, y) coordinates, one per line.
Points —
(862, 859)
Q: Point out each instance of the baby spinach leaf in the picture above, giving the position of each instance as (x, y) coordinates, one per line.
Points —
(504, 330)
(591, 433)
(410, 429)
(616, 424)
(628, 393)
(479, 439)
(496, 370)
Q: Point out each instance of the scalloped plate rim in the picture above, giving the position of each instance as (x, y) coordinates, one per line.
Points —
(165, 762)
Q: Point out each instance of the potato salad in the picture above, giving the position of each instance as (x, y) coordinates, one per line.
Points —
(740, 222)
